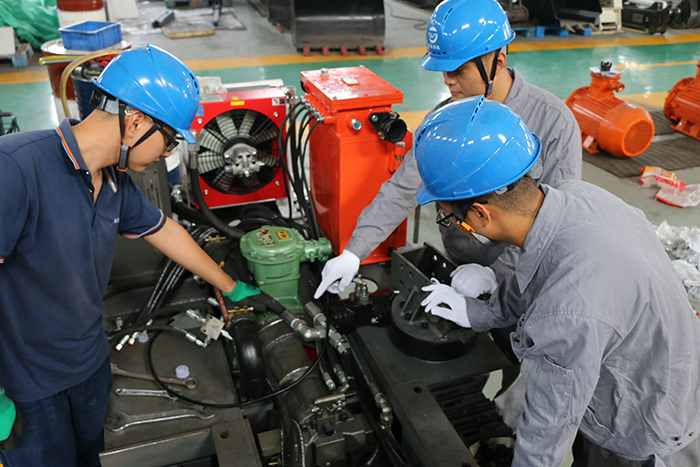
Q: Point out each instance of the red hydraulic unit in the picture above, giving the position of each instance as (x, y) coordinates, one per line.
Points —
(607, 122)
(683, 106)
(357, 145)
(239, 159)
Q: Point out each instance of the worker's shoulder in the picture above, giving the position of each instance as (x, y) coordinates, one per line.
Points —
(30, 143)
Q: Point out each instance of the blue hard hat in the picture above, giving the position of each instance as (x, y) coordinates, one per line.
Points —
(461, 30)
(156, 83)
(472, 147)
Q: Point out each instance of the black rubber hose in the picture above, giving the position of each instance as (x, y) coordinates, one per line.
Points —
(188, 213)
(306, 282)
(243, 330)
(212, 218)
(159, 382)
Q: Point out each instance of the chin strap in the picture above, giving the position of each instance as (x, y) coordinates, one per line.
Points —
(124, 150)
(482, 71)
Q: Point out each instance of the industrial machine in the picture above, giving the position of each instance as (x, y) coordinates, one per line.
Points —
(550, 13)
(688, 16)
(607, 122)
(323, 25)
(239, 155)
(683, 106)
(648, 15)
(280, 378)
(8, 123)
(357, 145)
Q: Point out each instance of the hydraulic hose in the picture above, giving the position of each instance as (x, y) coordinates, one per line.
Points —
(243, 330)
(69, 69)
(212, 218)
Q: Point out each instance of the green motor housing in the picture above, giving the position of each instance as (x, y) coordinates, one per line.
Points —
(274, 255)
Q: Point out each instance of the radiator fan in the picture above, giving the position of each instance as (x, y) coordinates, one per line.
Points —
(239, 152)
(239, 156)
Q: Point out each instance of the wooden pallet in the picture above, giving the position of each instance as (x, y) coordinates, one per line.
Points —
(179, 29)
(564, 31)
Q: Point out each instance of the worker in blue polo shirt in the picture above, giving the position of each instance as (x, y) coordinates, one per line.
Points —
(64, 197)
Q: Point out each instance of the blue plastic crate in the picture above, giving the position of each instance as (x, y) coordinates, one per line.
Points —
(91, 35)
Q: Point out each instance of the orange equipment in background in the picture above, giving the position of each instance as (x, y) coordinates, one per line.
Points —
(357, 145)
(607, 122)
(683, 106)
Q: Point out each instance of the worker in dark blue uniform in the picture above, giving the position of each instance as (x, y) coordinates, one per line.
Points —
(65, 196)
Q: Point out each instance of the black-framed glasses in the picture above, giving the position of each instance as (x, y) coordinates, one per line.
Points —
(444, 218)
(170, 141)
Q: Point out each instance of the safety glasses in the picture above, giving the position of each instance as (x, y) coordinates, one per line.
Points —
(444, 218)
(170, 141)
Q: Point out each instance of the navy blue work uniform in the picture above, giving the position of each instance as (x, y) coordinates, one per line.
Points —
(56, 251)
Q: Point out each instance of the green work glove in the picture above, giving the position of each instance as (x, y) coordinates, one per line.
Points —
(241, 291)
(10, 422)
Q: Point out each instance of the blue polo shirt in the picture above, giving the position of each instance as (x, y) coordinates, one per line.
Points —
(56, 251)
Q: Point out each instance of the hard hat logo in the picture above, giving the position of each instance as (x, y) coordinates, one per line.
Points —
(432, 35)
(472, 147)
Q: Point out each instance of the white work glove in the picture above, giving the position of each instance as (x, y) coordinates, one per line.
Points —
(472, 280)
(338, 273)
(441, 294)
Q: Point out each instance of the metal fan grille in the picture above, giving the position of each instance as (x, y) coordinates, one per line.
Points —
(238, 127)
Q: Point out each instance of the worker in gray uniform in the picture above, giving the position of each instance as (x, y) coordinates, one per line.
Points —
(608, 341)
(473, 62)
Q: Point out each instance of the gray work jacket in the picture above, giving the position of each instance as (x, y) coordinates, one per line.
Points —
(544, 114)
(608, 340)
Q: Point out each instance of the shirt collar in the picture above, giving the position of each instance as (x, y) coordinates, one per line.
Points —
(516, 95)
(70, 145)
(540, 236)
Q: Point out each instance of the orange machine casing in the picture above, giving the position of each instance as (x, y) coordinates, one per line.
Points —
(683, 106)
(607, 122)
(348, 159)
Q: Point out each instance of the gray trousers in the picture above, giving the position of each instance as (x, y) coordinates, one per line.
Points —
(588, 454)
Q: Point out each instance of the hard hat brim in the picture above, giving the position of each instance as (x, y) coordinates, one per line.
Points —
(437, 64)
(186, 135)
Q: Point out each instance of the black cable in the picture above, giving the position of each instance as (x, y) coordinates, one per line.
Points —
(421, 26)
(151, 370)
(214, 220)
(282, 142)
(314, 219)
(169, 278)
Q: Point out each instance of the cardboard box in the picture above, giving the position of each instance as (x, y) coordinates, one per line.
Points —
(7, 41)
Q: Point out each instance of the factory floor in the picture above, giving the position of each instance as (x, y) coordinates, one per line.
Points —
(650, 65)
(254, 49)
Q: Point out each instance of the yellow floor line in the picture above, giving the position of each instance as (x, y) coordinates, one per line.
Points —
(591, 43)
(21, 77)
(408, 52)
(647, 100)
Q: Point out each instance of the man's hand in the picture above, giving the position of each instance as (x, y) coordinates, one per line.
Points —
(338, 273)
(472, 280)
(440, 295)
(241, 291)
